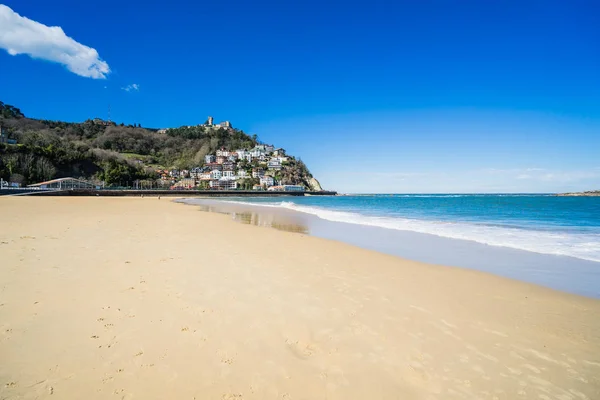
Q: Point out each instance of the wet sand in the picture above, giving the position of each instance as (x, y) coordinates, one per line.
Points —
(144, 298)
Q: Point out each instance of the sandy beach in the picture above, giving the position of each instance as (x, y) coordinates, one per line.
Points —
(140, 298)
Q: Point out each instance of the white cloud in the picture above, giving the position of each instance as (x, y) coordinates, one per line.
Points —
(133, 87)
(20, 35)
(523, 176)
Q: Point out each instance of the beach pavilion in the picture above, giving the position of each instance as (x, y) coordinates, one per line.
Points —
(63, 184)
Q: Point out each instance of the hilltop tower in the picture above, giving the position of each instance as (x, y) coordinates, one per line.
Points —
(210, 121)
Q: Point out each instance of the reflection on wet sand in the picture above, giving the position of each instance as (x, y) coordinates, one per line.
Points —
(264, 218)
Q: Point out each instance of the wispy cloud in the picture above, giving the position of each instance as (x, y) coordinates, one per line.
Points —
(21, 35)
(399, 176)
(502, 171)
(546, 175)
(133, 87)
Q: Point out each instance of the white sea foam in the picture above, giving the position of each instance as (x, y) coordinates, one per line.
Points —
(579, 245)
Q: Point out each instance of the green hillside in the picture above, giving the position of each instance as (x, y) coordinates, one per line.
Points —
(102, 151)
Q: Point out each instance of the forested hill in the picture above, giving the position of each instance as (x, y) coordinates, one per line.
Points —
(104, 151)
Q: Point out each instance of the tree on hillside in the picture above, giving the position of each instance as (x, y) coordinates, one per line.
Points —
(8, 111)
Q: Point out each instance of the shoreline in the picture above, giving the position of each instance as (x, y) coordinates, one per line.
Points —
(559, 272)
(158, 300)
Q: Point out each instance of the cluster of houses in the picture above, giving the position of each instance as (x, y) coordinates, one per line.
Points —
(225, 169)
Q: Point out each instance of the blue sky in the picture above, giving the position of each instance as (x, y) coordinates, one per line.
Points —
(394, 96)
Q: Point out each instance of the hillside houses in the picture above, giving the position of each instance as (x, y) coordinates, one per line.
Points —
(259, 168)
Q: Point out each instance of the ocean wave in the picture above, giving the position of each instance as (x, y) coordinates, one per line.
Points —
(585, 246)
(445, 196)
(448, 195)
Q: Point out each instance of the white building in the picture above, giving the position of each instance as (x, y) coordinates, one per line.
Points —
(223, 152)
(224, 183)
(281, 159)
(216, 174)
(274, 165)
(267, 181)
(241, 154)
(228, 173)
(258, 173)
(257, 151)
(242, 173)
(279, 152)
(227, 184)
(209, 158)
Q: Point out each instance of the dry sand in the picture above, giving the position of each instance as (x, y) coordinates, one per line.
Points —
(125, 298)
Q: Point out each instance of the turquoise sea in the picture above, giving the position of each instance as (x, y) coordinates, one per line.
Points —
(547, 224)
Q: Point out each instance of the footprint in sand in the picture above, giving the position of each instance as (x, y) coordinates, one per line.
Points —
(232, 396)
(300, 349)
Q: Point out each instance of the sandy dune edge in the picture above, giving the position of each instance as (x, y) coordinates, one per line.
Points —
(142, 298)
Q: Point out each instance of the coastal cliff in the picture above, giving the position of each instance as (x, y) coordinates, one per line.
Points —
(591, 193)
(314, 185)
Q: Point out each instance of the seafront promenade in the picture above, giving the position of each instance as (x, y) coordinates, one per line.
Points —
(156, 192)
